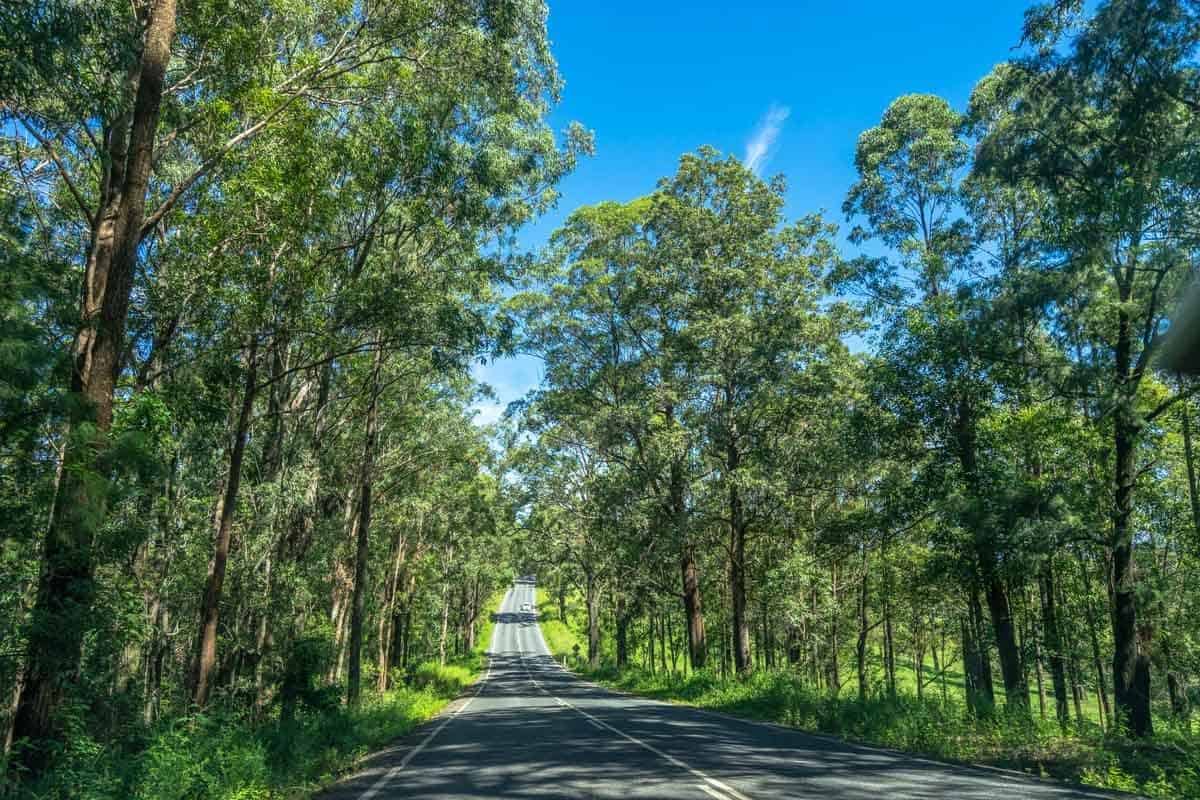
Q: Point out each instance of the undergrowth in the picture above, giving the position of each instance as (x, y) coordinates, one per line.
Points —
(1166, 767)
(227, 753)
(224, 754)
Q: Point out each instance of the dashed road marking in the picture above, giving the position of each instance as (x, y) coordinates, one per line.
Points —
(599, 723)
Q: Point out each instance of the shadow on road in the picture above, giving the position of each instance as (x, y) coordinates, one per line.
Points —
(516, 740)
(515, 617)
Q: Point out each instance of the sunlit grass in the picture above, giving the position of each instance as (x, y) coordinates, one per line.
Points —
(227, 754)
(561, 637)
(936, 725)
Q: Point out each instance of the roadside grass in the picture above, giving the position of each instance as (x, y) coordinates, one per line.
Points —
(1167, 767)
(224, 754)
(487, 624)
(561, 637)
(936, 725)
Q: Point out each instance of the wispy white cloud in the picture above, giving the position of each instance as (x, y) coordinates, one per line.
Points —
(762, 143)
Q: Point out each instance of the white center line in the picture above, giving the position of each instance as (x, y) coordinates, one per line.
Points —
(711, 792)
(665, 756)
(712, 782)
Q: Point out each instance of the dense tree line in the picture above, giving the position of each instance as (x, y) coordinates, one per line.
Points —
(249, 253)
(949, 448)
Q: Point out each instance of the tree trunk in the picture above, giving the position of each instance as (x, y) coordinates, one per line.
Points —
(1000, 611)
(1016, 694)
(860, 650)
(1130, 666)
(693, 609)
(669, 636)
(1189, 458)
(262, 640)
(981, 695)
(342, 585)
(835, 671)
(65, 585)
(593, 621)
(1054, 644)
(623, 619)
(1097, 660)
(155, 653)
(1076, 686)
(210, 608)
(889, 647)
(650, 641)
(737, 576)
(1178, 695)
(1131, 663)
(388, 616)
(445, 624)
(362, 540)
(406, 640)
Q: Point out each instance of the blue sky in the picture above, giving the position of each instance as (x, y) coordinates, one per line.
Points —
(793, 83)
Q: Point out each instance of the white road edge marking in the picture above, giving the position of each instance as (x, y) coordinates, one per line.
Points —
(386, 777)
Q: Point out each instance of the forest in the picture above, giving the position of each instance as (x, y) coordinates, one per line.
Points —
(915, 473)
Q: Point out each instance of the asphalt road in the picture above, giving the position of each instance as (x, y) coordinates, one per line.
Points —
(530, 729)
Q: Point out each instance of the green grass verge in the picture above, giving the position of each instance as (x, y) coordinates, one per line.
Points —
(1166, 767)
(224, 754)
(561, 637)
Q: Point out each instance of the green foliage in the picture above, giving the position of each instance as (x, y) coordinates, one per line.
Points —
(1166, 768)
(448, 680)
(894, 466)
(226, 755)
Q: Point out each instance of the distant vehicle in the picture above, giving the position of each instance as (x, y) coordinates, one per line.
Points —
(526, 607)
(526, 579)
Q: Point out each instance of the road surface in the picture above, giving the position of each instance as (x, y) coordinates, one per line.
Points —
(530, 729)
